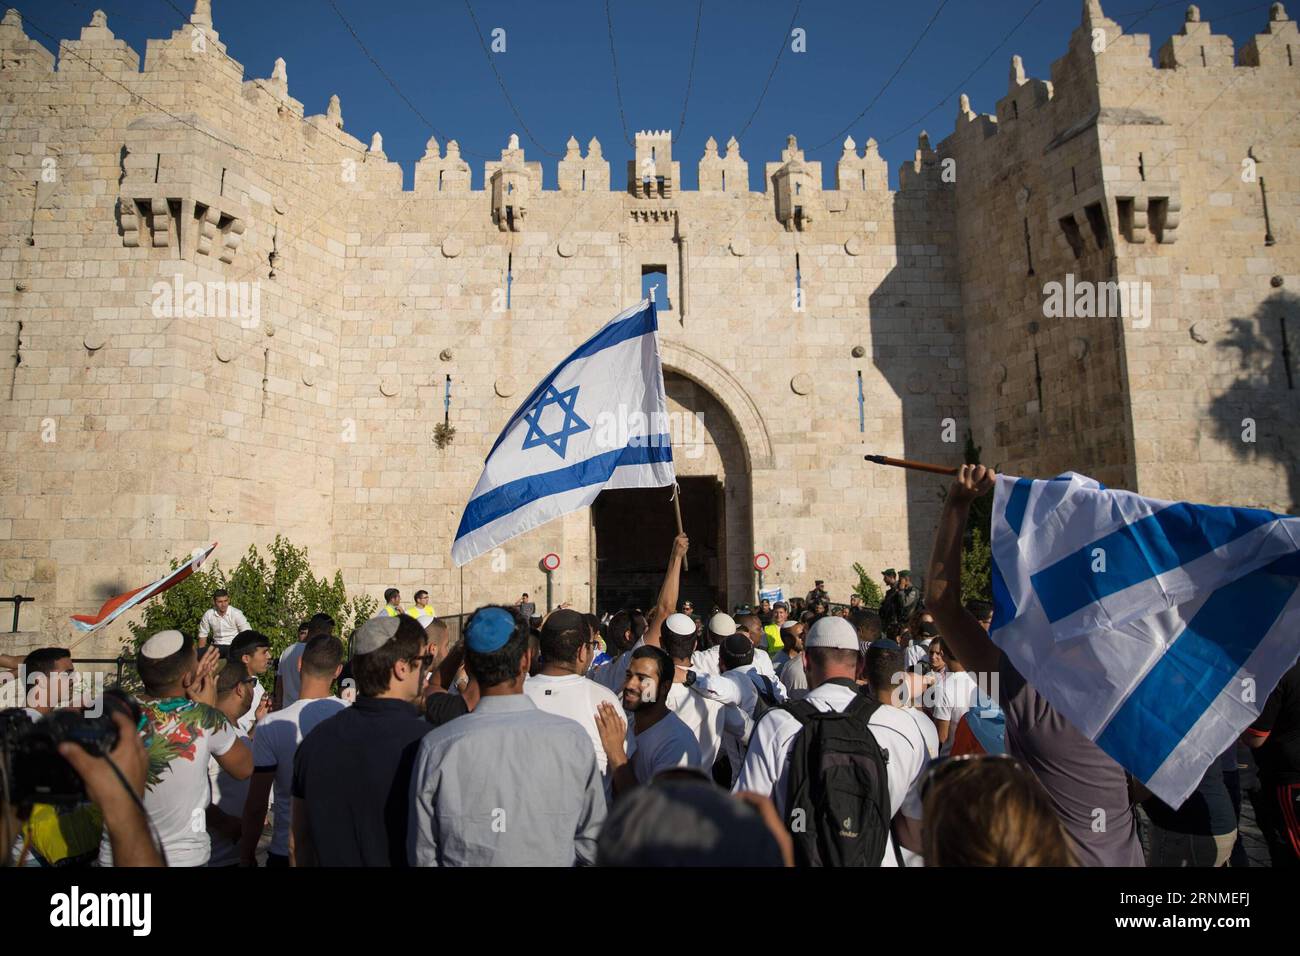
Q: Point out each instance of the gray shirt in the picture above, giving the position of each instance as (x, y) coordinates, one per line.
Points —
(1088, 790)
(506, 785)
(794, 678)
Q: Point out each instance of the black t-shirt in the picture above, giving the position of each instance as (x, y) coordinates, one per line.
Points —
(1278, 759)
(1207, 811)
(442, 707)
(354, 772)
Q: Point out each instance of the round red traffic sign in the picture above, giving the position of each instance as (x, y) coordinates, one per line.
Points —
(762, 562)
(551, 561)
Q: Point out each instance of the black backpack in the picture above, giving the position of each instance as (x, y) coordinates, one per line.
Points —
(838, 810)
(767, 699)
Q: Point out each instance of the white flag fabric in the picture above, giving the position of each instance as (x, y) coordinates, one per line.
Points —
(598, 420)
(1156, 628)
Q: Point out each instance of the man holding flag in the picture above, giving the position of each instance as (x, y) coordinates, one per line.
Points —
(1128, 634)
(598, 420)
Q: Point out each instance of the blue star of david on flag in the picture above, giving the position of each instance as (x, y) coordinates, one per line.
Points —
(522, 487)
(557, 441)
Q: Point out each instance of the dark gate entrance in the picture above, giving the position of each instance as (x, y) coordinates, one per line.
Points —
(634, 535)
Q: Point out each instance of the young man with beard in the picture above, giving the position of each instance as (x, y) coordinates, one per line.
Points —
(657, 739)
(628, 630)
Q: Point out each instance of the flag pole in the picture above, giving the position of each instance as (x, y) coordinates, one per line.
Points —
(911, 465)
(677, 490)
(677, 510)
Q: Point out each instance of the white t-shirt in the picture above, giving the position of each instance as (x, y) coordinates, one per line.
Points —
(707, 662)
(275, 743)
(916, 652)
(955, 694)
(928, 729)
(577, 698)
(290, 676)
(704, 718)
(185, 735)
(766, 769)
(250, 717)
(669, 743)
(228, 796)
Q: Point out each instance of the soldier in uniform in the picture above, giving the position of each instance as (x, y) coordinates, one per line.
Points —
(889, 619)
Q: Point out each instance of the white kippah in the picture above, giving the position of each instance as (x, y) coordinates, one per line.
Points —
(680, 624)
(163, 644)
(722, 624)
(833, 632)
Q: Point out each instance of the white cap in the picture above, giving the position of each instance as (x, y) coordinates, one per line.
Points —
(163, 644)
(680, 624)
(722, 624)
(789, 623)
(833, 632)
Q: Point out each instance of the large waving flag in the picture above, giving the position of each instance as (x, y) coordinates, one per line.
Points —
(1156, 628)
(115, 607)
(598, 420)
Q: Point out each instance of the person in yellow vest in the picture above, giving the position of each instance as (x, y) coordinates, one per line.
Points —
(780, 612)
(392, 602)
(421, 610)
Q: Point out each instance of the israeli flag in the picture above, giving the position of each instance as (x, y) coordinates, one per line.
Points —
(598, 420)
(1156, 628)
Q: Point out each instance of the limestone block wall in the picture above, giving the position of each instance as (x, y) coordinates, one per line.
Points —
(1213, 380)
(1050, 393)
(140, 423)
(1123, 171)
(145, 418)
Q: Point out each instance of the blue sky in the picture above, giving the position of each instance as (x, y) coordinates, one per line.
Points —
(558, 71)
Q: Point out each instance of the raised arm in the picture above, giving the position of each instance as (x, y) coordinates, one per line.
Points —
(667, 602)
(958, 626)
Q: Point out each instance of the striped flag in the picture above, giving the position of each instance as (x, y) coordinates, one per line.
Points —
(117, 606)
(1156, 628)
(598, 420)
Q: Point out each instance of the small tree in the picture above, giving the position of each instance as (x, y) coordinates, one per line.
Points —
(976, 568)
(866, 588)
(977, 554)
(275, 596)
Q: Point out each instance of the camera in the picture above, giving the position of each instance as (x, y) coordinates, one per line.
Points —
(29, 749)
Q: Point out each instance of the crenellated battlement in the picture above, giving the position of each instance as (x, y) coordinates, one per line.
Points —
(194, 56)
(241, 323)
(1101, 60)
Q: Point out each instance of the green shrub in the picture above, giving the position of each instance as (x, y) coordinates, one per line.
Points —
(275, 595)
(866, 588)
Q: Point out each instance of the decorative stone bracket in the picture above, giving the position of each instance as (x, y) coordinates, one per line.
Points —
(204, 227)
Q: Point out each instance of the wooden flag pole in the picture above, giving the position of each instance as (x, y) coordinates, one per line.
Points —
(677, 510)
(912, 465)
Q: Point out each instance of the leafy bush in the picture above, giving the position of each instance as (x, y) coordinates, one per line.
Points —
(866, 588)
(275, 595)
(976, 568)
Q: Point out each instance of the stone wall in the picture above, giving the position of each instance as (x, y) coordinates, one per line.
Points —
(137, 428)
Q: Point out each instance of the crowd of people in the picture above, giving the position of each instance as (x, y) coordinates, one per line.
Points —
(811, 735)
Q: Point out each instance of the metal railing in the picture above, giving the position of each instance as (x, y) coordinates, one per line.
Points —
(17, 600)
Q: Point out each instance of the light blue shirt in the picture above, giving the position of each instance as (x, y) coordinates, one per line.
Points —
(506, 785)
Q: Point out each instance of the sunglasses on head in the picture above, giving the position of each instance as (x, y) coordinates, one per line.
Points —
(947, 766)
